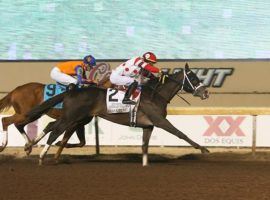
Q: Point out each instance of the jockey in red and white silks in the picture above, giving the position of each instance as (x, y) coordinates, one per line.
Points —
(127, 72)
(130, 73)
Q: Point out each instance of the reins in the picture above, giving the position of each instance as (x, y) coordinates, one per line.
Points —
(182, 82)
(160, 82)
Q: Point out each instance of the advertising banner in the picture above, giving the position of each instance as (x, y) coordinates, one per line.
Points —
(205, 130)
(209, 130)
(263, 131)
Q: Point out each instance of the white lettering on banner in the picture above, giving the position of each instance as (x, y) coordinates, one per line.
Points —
(224, 141)
(214, 77)
(134, 137)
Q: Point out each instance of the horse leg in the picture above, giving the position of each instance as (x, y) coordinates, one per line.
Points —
(147, 132)
(163, 123)
(19, 120)
(64, 141)
(80, 131)
(6, 121)
(81, 136)
(57, 129)
(26, 138)
(45, 131)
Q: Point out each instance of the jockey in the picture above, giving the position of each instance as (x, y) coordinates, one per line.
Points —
(65, 72)
(130, 73)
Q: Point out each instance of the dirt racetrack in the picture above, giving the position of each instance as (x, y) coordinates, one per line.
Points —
(117, 174)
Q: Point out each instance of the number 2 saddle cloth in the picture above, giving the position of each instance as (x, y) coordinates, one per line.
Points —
(114, 101)
(51, 90)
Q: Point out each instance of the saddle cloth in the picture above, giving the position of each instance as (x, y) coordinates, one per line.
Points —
(114, 101)
(52, 90)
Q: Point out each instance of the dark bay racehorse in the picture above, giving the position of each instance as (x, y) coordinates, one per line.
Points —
(81, 105)
(27, 96)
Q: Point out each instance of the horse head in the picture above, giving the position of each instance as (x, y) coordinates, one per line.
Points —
(185, 80)
(192, 84)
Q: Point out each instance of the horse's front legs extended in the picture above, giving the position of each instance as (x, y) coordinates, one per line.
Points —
(167, 126)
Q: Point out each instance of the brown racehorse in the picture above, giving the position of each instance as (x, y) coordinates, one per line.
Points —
(80, 106)
(27, 96)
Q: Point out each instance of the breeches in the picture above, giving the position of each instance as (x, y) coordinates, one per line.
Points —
(62, 78)
(120, 80)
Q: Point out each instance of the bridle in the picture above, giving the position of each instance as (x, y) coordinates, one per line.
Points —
(177, 91)
(194, 88)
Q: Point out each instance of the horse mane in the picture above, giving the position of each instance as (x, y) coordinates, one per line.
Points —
(158, 81)
(153, 86)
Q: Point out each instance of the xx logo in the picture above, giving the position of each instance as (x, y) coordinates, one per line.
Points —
(214, 126)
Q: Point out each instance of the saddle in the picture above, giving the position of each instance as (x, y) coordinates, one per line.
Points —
(51, 90)
(114, 102)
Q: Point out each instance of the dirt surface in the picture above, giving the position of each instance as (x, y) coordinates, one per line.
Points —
(174, 173)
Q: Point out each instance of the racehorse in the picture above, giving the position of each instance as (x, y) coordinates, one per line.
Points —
(81, 106)
(27, 96)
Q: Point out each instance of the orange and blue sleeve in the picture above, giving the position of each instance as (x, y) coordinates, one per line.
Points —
(79, 73)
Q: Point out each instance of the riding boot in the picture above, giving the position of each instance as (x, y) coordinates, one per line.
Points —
(131, 88)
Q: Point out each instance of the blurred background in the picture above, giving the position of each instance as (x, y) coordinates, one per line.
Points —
(120, 29)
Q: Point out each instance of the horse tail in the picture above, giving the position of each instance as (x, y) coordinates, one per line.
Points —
(5, 103)
(43, 108)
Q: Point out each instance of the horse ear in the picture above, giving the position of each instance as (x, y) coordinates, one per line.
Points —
(186, 66)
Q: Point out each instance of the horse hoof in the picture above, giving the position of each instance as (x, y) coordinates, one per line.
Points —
(28, 151)
(28, 148)
(205, 150)
(4, 145)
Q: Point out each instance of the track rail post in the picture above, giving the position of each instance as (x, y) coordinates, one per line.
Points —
(254, 133)
(97, 136)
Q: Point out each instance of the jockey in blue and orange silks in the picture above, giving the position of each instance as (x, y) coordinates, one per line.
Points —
(130, 73)
(73, 72)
